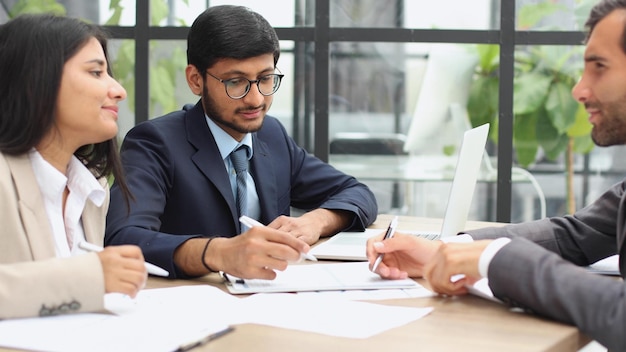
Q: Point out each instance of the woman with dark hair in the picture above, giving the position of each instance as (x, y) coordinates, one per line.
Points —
(58, 124)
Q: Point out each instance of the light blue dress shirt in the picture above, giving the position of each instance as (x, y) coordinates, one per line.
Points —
(226, 144)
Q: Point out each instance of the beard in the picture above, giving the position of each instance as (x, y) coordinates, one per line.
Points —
(210, 109)
(611, 128)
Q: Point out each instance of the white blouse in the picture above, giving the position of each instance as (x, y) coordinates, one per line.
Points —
(67, 227)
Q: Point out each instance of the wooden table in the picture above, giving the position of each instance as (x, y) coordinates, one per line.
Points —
(464, 323)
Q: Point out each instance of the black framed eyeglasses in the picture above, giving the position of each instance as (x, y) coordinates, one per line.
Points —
(238, 87)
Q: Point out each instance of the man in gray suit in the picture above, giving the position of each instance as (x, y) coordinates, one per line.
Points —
(537, 266)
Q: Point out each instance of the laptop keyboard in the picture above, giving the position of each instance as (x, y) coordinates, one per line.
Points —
(427, 235)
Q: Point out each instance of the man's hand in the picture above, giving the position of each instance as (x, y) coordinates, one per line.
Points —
(405, 255)
(310, 226)
(453, 266)
(254, 254)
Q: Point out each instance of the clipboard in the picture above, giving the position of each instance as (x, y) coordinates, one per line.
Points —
(317, 277)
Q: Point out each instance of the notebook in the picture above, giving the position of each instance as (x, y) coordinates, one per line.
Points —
(351, 245)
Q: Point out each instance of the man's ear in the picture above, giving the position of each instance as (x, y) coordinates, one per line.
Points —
(195, 80)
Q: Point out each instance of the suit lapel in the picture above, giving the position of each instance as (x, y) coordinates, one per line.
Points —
(621, 234)
(32, 208)
(207, 157)
(265, 179)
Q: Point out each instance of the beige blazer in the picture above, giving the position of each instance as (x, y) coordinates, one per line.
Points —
(32, 280)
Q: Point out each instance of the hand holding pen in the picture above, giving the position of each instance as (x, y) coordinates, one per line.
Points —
(123, 268)
(389, 234)
(151, 268)
(249, 222)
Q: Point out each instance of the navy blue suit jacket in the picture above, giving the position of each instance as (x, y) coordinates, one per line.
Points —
(182, 190)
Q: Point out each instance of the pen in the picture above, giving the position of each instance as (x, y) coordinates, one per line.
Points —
(250, 222)
(152, 269)
(232, 279)
(195, 343)
(390, 231)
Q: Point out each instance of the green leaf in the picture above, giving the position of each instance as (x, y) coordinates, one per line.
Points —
(176, 62)
(115, 17)
(115, 4)
(557, 147)
(557, 59)
(561, 107)
(547, 135)
(525, 138)
(581, 127)
(531, 14)
(158, 11)
(162, 88)
(530, 91)
(36, 6)
(129, 84)
(482, 103)
(488, 57)
(124, 63)
(448, 150)
(583, 144)
(582, 10)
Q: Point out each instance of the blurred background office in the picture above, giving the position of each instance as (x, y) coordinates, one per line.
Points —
(383, 90)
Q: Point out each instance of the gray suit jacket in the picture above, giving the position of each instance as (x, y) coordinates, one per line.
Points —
(540, 271)
(32, 280)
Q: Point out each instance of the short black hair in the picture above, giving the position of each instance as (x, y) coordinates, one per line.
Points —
(229, 31)
(600, 11)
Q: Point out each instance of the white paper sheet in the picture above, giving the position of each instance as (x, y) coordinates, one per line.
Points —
(166, 318)
(481, 289)
(336, 317)
(157, 320)
(607, 266)
(373, 295)
(319, 277)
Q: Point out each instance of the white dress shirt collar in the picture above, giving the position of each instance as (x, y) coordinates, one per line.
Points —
(66, 224)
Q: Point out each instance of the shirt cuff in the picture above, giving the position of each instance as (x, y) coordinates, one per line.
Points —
(488, 254)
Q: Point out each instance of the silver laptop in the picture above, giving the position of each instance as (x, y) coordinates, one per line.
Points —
(465, 177)
(351, 245)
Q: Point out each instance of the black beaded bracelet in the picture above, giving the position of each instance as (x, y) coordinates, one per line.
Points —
(203, 254)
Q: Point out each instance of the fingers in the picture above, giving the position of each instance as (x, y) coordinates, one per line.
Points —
(258, 252)
(127, 251)
(391, 273)
(374, 246)
(280, 244)
(301, 228)
(123, 268)
(453, 267)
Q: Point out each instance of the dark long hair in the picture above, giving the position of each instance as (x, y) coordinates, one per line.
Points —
(33, 51)
(229, 31)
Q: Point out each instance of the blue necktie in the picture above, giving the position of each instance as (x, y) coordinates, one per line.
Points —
(239, 158)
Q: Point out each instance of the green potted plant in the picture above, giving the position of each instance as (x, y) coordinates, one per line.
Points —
(546, 117)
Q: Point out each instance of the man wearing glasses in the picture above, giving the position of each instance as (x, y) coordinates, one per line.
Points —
(194, 172)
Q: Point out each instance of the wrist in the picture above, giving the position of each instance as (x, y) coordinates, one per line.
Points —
(331, 221)
(203, 256)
